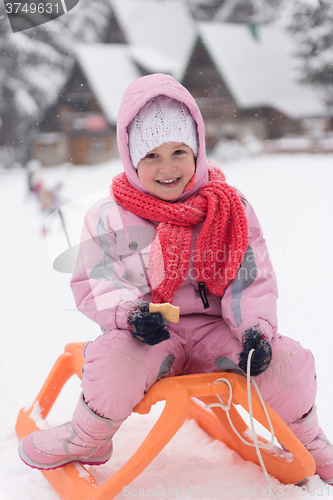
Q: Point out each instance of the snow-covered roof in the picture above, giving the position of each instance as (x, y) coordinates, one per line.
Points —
(260, 72)
(153, 60)
(163, 26)
(109, 69)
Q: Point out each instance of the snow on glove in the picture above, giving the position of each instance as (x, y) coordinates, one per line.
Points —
(145, 326)
(262, 355)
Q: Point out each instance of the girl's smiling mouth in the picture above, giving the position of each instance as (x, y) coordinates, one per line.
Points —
(168, 182)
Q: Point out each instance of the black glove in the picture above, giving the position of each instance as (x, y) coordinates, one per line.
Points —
(261, 357)
(145, 326)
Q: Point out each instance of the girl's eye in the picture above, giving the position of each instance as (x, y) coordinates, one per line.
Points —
(151, 155)
(179, 152)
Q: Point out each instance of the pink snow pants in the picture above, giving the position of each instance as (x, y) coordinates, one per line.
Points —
(119, 369)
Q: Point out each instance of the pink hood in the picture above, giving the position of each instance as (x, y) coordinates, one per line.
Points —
(137, 94)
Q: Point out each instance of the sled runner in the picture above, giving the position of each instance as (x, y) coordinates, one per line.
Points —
(74, 481)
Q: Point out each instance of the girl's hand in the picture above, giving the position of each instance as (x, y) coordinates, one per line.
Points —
(147, 327)
(262, 355)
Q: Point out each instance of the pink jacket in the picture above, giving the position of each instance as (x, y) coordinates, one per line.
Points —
(112, 268)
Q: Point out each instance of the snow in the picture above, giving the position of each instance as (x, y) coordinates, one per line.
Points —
(292, 197)
(24, 102)
(260, 72)
(36, 415)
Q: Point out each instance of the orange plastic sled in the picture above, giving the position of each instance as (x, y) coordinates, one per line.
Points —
(74, 481)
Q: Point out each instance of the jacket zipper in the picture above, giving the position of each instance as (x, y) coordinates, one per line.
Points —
(202, 291)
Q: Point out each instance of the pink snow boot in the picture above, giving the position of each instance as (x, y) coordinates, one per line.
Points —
(307, 430)
(87, 439)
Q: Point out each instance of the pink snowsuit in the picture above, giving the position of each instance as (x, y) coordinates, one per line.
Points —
(112, 272)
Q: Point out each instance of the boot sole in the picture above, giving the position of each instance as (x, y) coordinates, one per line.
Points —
(89, 461)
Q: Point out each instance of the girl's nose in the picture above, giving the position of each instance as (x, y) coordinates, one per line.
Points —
(167, 166)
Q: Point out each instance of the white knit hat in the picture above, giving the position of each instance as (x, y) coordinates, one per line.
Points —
(162, 119)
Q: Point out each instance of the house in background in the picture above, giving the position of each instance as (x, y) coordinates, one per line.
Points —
(143, 37)
(85, 113)
(246, 83)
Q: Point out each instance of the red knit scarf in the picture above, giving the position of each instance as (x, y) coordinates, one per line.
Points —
(219, 248)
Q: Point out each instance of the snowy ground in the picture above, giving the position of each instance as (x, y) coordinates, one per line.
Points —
(292, 197)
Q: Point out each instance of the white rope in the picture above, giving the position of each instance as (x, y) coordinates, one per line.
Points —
(226, 408)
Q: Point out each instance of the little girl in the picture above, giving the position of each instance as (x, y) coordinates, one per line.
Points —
(172, 230)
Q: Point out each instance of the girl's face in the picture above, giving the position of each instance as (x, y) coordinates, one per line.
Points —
(166, 170)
